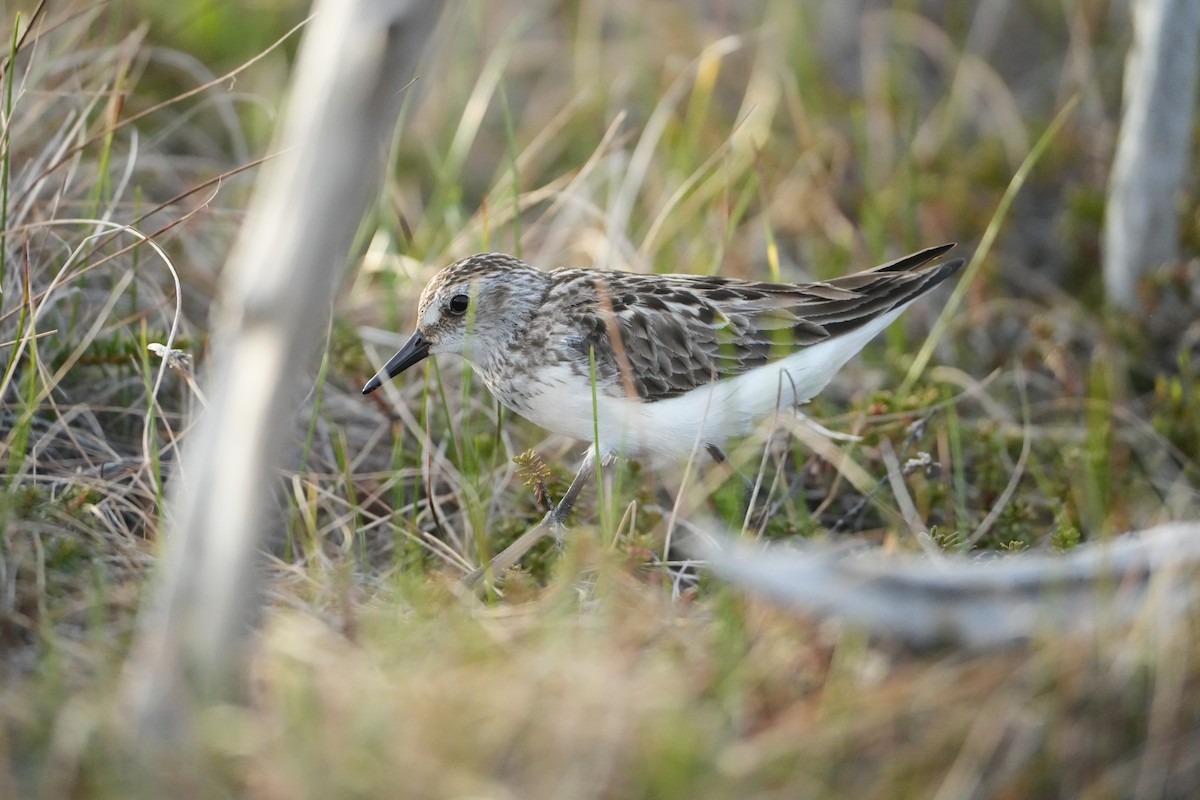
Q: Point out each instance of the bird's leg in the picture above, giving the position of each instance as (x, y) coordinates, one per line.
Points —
(558, 516)
(719, 457)
(552, 523)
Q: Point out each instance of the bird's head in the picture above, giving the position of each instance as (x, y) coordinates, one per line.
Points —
(472, 308)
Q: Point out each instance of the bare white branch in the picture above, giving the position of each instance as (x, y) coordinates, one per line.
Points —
(357, 58)
(1141, 226)
(976, 603)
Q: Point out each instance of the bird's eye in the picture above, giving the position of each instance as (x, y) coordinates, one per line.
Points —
(459, 303)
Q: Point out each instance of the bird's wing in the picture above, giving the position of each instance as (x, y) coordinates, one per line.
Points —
(660, 336)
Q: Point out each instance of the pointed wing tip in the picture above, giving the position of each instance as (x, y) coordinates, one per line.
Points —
(941, 272)
(930, 253)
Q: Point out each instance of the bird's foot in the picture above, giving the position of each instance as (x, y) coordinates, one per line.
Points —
(556, 522)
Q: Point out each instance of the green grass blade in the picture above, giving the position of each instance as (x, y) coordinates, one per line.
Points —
(975, 265)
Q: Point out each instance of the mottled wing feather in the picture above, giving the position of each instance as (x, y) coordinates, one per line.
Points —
(661, 336)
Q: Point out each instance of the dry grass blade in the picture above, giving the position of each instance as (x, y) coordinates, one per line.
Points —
(1018, 472)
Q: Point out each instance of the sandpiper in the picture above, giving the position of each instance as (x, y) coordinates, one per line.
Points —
(677, 362)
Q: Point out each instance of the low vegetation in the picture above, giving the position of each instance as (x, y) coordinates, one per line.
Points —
(766, 140)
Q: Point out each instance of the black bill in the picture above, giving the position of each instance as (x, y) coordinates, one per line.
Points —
(414, 350)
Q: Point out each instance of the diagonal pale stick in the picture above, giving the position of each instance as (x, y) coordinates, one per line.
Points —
(357, 58)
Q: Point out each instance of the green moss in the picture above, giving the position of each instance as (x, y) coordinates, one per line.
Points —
(1066, 534)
